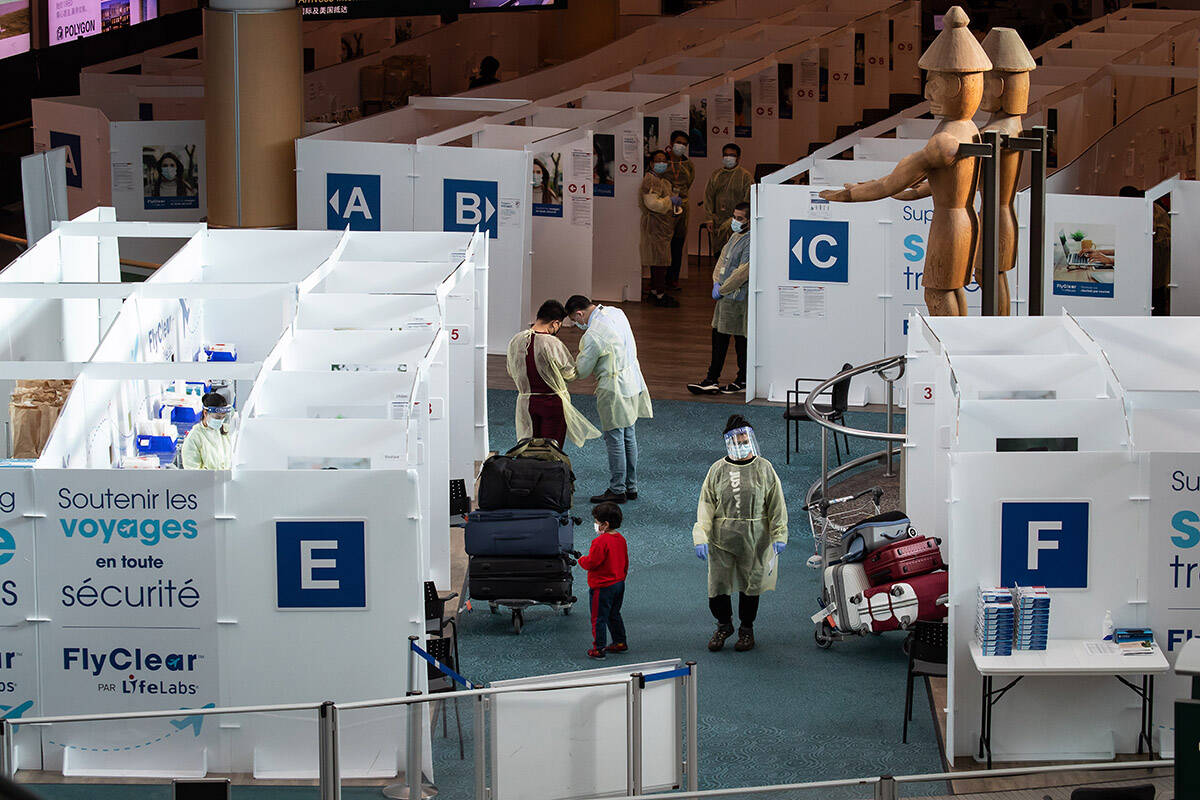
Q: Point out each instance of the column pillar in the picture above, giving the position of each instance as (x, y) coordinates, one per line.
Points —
(254, 98)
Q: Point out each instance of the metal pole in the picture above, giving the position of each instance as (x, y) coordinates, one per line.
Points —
(480, 748)
(1037, 223)
(886, 788)
(412, 663)
(990, 208)
(824, 463)
(891, 398)
(693, 726)
(629, 778)
(415, 730)
(637, 685)
(8, 750)
(329, 773)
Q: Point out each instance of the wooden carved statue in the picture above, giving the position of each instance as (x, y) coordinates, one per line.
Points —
(954, 86)
(1006, 98)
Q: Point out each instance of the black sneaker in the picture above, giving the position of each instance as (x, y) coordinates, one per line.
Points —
(706, 386)
(609, 496)
(630, 495)
(745, 640)
(668, 302)
(737, 387)
(717, 641)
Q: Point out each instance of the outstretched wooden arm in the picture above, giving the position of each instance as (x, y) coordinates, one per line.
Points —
(938, 152)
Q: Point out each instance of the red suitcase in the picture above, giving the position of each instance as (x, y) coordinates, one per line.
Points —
(900, 604)
(904, 559)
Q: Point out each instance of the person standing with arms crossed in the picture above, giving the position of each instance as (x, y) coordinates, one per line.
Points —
(608, 350)
(682, 174)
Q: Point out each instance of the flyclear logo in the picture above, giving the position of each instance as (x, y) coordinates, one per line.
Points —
(467, 205)
(1044, 544)
(819, 251)
(124, 659)
(352, 200)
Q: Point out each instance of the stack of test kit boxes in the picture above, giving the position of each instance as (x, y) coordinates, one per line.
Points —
(1033, 617)
(995, 625)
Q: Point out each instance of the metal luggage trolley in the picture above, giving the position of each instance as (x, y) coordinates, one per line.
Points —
(518, 608)
(829, 544)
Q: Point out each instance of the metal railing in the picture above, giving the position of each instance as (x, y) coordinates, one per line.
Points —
(329, 780)
(882, 368)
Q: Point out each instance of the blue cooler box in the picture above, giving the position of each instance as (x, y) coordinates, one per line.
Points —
(161, 446)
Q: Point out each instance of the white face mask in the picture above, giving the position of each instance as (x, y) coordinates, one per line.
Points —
(214, 423)
(737, 225)
(596, 525)
(679, 149)
(729, 161)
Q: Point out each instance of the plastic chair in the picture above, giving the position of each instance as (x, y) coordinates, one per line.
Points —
(445, 650)
(1144, 792)
(794, 412)
(435, 609)
(927, 644)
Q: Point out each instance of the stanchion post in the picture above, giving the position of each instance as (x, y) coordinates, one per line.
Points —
(824, 463)
(329, 777)
(481, 747)
(693, 726)
(416, 727)
(8, 750)
(413, 659)
(636, 687)
(629, 781)
(886, 788)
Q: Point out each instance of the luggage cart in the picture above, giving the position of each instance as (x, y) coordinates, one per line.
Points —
(829, 543)
(518, 609)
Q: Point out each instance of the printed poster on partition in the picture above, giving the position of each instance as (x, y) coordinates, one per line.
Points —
(18, 647)
(1085, 259)
(547, 182)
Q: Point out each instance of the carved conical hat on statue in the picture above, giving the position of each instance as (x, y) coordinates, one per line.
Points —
(1007, 52)
(955, 48)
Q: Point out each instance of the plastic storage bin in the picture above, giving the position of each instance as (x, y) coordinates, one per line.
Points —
(163, 447)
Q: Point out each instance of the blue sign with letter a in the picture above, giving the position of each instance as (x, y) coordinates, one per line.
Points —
(321, 564)
(1044, 544)
(74, 156)
(467, 205)
(819, 251)
(352, 200)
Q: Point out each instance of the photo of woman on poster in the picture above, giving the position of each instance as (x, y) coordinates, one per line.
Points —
(547, 181)
(167, 182)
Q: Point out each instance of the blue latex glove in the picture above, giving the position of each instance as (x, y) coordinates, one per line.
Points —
(702, 552)
(716, 291)
(676, 200)
(778, 547)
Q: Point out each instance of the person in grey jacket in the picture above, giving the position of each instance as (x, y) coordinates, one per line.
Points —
(731, 277)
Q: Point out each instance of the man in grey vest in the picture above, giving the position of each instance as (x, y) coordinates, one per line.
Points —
(730, 278)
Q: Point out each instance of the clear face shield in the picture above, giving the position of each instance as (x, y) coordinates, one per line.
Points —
(741, 444)
(216, 417)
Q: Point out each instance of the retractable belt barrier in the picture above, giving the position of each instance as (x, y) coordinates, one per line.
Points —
(454, 676)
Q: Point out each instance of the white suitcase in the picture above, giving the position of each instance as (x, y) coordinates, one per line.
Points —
(844, 586)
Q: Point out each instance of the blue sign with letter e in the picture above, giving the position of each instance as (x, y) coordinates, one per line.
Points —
(819, 251)
(352, 200)
(1044, 544)
(321, 564)
(74, 156)
(467, 205)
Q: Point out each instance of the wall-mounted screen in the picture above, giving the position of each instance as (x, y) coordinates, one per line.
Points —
(360, 9)
(69, 20)
(14, 27)
(515, 5)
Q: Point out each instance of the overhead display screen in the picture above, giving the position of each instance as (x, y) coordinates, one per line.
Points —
(14, 27)
(78, 19)
(357, 9)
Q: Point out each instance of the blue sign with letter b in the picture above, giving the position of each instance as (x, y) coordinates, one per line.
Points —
(321, 564)
(819, 251)
(1044, 544)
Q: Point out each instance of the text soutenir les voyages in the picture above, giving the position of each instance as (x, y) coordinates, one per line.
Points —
(149, 531)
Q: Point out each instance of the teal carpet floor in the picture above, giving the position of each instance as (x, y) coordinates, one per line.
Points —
(784, 712)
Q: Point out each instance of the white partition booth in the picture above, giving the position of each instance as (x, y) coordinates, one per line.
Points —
(1060, 452)
(843, 278)
(138, 589)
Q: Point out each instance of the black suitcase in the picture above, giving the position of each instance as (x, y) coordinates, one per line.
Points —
(545, 580)
(507, 482)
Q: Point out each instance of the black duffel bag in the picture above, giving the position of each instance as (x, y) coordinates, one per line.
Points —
(508, 482)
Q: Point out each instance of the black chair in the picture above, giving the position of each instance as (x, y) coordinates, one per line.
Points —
(445, 650)
(435, 609)
(794, 412)
(1145, 792)
(927, 643)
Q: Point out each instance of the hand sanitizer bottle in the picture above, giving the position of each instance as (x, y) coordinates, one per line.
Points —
(1107, 634)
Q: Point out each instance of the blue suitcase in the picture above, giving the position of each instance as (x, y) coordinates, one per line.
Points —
(519, 532)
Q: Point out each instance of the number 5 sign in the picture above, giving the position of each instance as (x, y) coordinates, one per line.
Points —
(460, 334)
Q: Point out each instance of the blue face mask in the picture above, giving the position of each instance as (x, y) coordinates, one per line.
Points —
(660, 167)
(737, 225)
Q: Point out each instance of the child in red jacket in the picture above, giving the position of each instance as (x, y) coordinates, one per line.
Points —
(607, 563)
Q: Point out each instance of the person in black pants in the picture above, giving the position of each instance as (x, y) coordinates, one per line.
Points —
(730, 290)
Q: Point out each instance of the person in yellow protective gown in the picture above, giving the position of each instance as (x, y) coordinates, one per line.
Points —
(659, 209)
(740, 530)
(541, 367)
(608, 351)
(681, 172)
(208, 444)
(727, 187)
